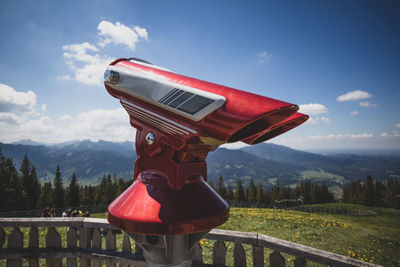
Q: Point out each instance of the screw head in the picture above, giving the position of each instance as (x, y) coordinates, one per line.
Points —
(150, 138)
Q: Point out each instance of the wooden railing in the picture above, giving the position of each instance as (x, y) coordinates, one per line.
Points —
(93, 241)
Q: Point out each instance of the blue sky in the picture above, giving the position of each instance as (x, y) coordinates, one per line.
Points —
(338, 60)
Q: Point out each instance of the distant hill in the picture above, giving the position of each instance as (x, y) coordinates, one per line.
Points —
(27, 142)
(235, 164)
(349, 166)
(89, 160)
(264, 163)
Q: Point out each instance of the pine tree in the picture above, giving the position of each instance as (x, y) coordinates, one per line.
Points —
(30, 184)
(25, 170)
(87, 195)
(109, 189)
(46, 196)
(73, 192)
(34, 191)
(229, 193)
(101, 191)
(211, 184)
(276, 192)
(260, 194)
(239, 192)
(11, 197)
(122, 186)
(251, 192)
(367, 194)
(59, 192)
(221, 190)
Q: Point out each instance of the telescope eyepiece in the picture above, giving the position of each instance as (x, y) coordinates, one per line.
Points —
(111, 77)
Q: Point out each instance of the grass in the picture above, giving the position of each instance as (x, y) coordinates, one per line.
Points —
(370, 239)
(320, 175)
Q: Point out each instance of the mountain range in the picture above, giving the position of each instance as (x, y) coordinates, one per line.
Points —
(264, 163)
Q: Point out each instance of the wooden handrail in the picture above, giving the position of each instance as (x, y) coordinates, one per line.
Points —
(91, 231)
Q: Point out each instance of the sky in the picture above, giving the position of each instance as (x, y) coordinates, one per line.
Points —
(338, 60)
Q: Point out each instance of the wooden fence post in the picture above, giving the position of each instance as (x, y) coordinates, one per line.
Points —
(110, 245)
(126, 247)
(300, 262)
(72, 243)
(258, 256)
(2, 237)
(96, 244)
(84, 243)
(34, 243)
(198, 253)
(53, 240)
(219, 253)
(239, 256)
(15, 240)
(276, 259)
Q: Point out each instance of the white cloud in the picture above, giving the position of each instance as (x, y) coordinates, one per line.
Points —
(142, 32)
(8, 118)
(341, 136)
(263, 57)
(11, 100)
(86, 60)
(343, 141)
(88, 67)
(112, 125)
(66, 117)
(354, 113)
(103, 124)
(398, 125)
(313, 109)
(354, 95)
(368, 105)
(19, 119)
(65, 78)
(325, 119)
(316, 120)
(120, 34)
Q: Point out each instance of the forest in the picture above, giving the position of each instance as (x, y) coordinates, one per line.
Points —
(20, 189)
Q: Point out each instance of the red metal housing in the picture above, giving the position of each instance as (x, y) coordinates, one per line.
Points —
(169, 195)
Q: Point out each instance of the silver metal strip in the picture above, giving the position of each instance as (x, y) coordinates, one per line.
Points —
(159, 117)
(156, 122)
(153, 122)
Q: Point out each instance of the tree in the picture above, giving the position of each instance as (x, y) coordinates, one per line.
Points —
(58, 193)
(122, 186)
(101, 191)
(221, 190)
(46, 196)
(251, 192)
(211, 184)
(110, 190)
(229, 193)
(276, 192)
(73, 192)
(87, 195)
(11, 196)
(260, 194)
(239, 192)
(30, 184)
(368, 192)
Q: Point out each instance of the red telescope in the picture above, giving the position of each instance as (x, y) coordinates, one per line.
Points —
(179, 120)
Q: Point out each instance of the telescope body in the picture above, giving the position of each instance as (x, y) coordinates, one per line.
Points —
(179, 119)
